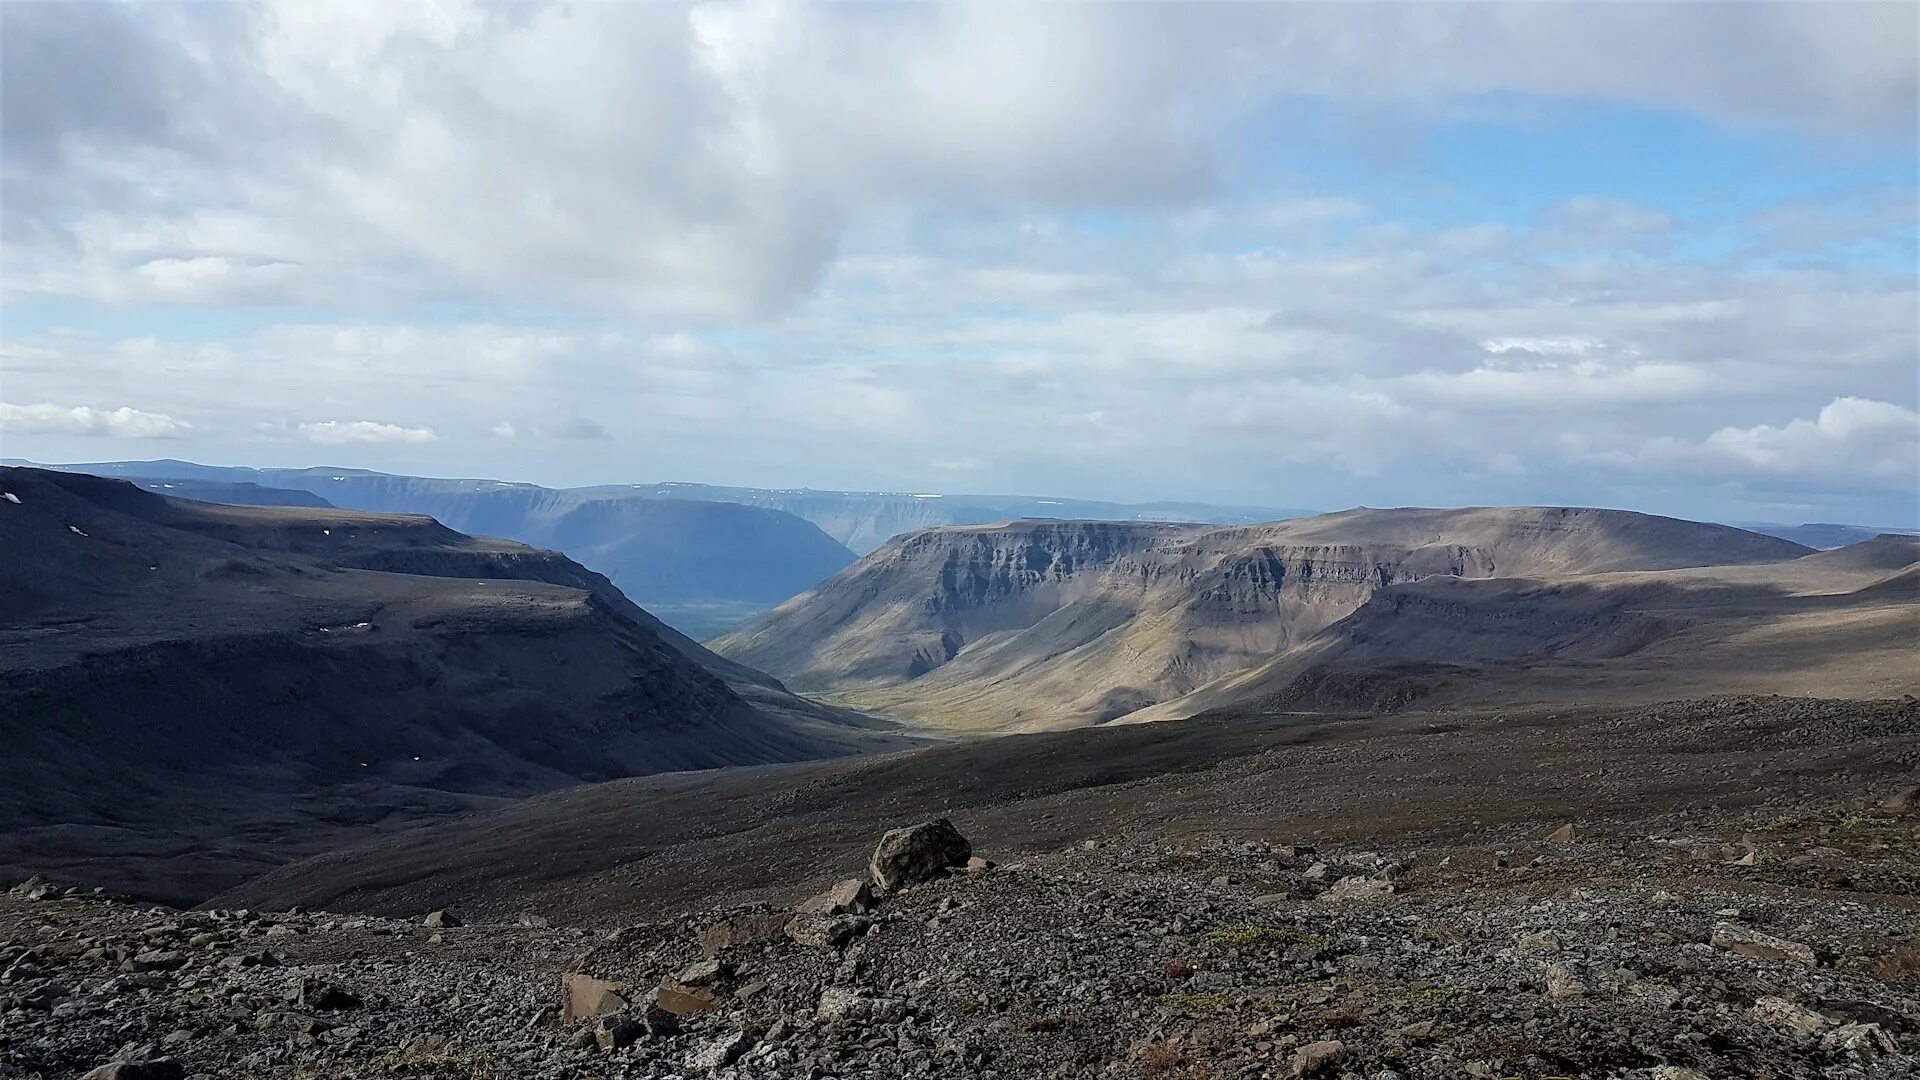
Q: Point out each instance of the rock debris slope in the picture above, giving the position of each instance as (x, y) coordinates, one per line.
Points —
(1770, 933)
(193, 692)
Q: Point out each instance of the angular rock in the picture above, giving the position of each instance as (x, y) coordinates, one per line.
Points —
(918, 853)
(1864, 1042)
(1562, 983)
(823, 931)
(616, 1031)
(156, 960)
(719, 1052)
(659, 1022)
(1780, 1012)
(35, 888)
(1540, 944)
(1746, 941)
(588, 997)
(705, 972)
(1565, 834)
(440, 920)
(686, 1000)
(842, 1003)
(1358, 888)
(850, 897)
(322, 996)
(740, 930)
(1317, 1057)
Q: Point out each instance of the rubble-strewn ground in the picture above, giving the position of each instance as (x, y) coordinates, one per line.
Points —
(1774, 938)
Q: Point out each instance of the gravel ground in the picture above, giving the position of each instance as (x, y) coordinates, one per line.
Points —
(1777, 942)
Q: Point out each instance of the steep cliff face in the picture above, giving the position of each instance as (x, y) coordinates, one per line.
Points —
(910, 607)
(1046, 623)
(234, 675)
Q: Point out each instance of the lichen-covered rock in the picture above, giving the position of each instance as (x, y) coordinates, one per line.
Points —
(917, 853)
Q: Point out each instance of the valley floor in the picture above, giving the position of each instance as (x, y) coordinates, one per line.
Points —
(1736, 897)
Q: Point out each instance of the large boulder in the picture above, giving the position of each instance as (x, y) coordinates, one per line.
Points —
(917, 853)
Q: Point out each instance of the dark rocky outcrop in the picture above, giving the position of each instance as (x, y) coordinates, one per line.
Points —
(918, 853)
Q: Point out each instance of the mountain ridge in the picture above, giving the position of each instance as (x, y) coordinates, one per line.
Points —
(968, 626)
(250, 682)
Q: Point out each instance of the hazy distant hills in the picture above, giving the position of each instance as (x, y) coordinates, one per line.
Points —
(702, 557)
(1046, 624)
(700, 565)
(1823, 535)
(231, 493)
(863, 520)
(239, 684)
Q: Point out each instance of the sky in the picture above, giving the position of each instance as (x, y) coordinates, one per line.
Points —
(1652, 256)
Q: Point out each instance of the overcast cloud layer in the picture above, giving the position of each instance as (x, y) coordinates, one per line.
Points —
(1654, 256)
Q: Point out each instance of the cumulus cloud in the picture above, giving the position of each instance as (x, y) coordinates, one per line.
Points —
(339, 432)
(1875, 438)
(124, 422)
(1583, 384)
(707, 161)
(1064, 248)
(1850, 439)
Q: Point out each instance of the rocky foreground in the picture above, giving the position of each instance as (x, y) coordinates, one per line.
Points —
(1758, 944)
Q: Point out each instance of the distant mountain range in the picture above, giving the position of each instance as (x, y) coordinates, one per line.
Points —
(216, 688)
(1823, 535)
(704, 558)
(701, 557)
(863, 520)
(1043, 624)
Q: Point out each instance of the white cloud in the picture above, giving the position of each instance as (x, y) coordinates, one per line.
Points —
(123, 423)
(854, 244)
(707, 161)
(1876, 438)
(1852, 439)
(1550, 346)
(1582, 384)
(338, 432)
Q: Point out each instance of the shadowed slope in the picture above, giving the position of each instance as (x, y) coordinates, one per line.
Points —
(192, 692)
